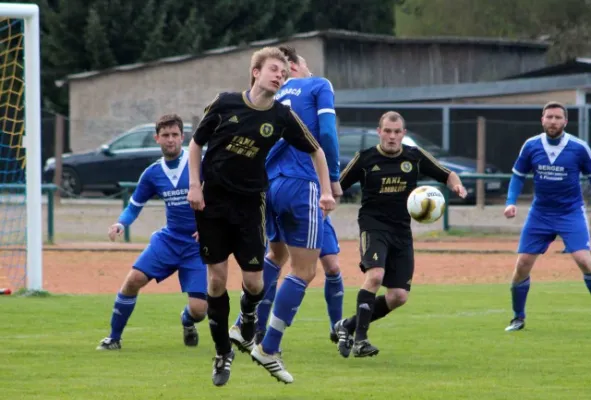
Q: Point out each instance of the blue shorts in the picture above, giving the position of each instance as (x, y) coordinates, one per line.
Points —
(541, 229)
(293, 215)
(165, 255)
(330, 243)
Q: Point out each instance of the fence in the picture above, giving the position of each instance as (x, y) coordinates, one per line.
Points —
(128, 187)
(48, 190)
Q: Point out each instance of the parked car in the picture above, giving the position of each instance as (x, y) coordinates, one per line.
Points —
(354, 139)
(122, 159)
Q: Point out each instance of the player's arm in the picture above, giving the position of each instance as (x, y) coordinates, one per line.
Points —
(352, 172)
(586, 161)
(520, 169)
(298, 135)
(327, 122)
(203, 132)
(143, 192)
(432, 168)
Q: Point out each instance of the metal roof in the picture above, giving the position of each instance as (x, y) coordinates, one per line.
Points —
(464, 90)
(326, 34)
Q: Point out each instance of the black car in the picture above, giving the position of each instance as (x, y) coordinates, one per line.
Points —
(122, 159)
(354, 139)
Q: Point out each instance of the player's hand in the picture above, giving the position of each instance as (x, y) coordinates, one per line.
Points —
(115, 230)
(195, 198)
(510, 211)
(327, 203)
(460, 190)
(337, 191)
(195, 236)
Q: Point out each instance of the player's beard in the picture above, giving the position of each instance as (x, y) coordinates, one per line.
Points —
(171, 154)
(557, 133)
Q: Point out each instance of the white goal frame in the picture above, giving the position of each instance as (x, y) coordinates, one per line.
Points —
(32, 138)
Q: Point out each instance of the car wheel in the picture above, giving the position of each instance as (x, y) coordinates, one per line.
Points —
(71, 184)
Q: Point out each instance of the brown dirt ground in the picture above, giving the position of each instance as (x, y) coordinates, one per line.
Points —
(79, 271)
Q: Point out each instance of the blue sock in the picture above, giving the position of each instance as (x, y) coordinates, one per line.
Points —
(519, 296)
(187, 319)
(271, 273)
(122, 310)
(289, 297)
(587, 278)
(334, 292)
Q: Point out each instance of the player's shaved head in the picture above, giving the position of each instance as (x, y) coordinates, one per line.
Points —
(391, 116)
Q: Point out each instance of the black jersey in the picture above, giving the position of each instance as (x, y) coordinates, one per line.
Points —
(386, 182)
(239, 136)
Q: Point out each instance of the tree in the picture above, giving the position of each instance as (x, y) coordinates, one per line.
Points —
(96, 42)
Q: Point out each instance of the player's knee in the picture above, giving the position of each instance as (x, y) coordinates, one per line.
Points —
(523, 266)
(134, 281)
(374, 278)
(277, 253)
(396, 298)
(583, 260)
(198, 307)
(330, 265)
(253, 282)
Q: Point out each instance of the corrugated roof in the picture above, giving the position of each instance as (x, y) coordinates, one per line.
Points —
(328, 34)
(464, 90)
(577, 65)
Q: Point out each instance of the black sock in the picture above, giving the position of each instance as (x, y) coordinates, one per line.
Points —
(365, 300)
(218, 311)
(248, 305)
(380, 310)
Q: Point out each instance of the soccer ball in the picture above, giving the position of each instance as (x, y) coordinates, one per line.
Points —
(425, 204)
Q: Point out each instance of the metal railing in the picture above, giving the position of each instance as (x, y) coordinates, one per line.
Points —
(46, 189)
(128, 187)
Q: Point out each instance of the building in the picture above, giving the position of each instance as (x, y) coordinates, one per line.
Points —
(105, 103)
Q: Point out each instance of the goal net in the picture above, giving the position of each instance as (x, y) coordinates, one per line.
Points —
(20, 148)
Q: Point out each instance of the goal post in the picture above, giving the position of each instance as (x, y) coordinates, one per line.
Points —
(25, 133)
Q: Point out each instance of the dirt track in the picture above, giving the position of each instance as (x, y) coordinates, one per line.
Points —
(83, 272)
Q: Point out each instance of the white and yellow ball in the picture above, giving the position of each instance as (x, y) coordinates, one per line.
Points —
(426, 204)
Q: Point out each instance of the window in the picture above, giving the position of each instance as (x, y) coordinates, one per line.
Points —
(134, 140)
(371, 140)
(349, 144)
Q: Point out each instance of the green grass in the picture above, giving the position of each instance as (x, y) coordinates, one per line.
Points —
(447, 343)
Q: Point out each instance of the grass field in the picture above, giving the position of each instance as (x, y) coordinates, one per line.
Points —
(447, 343)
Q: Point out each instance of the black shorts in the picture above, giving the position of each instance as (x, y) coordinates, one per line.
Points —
(234, 224)
(391, 251)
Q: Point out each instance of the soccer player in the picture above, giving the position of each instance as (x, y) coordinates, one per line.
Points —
(173, 248)
(387, 173)
(292, 212)
(240, 129)
(557, 159)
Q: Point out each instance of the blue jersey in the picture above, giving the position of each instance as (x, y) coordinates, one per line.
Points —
(557, 165)
(312, 99)
(168, 180)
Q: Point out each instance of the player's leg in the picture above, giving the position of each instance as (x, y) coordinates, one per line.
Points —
(193, 280)
(397, 281)
(147, 266)
(275, 258)
(574, 230)
(215, 239)
(304, 241)
(334, 291)
(249, 251)
(536, 236)
(374, 256)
